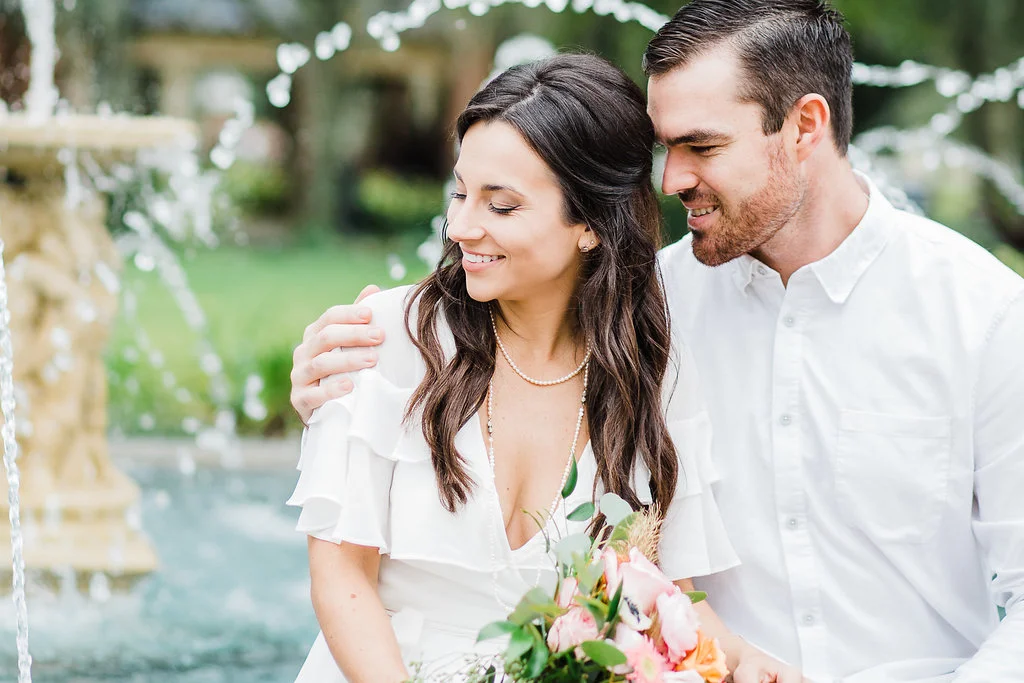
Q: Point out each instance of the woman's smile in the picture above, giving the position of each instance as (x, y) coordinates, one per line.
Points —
(474, 262)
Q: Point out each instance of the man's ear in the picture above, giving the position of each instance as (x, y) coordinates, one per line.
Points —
(812, 117)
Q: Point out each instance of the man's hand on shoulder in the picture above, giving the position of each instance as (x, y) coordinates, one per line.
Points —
(345, 327)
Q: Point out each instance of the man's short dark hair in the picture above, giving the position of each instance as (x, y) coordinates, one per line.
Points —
(787, 49)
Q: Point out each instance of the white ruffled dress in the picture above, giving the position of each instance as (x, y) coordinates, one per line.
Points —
(366, 478)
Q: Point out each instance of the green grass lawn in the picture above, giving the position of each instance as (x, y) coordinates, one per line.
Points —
(257, 303)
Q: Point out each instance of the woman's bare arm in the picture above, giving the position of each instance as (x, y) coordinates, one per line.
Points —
(355, 625)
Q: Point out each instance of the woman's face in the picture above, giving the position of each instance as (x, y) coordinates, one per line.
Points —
(507, 216)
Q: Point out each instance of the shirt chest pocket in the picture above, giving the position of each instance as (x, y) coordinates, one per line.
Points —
(892, 473)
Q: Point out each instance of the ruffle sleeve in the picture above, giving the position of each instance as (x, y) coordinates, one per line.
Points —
(349, 453)
(694, 540)
(693, 536)
(353, 444)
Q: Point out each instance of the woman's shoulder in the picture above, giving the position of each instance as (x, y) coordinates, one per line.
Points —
(388, 306)
(398, 356)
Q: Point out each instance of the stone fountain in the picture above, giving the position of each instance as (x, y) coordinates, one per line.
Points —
(79, 512)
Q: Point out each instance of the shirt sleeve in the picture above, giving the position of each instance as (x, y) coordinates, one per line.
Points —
(999, 503)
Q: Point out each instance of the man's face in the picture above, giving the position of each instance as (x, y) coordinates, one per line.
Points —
(739, 185)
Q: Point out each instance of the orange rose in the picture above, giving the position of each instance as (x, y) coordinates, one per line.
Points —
(707, 659)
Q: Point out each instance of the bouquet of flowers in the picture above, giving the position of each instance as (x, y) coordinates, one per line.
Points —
(614, 615)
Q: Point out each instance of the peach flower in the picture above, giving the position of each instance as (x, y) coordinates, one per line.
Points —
(707, 659)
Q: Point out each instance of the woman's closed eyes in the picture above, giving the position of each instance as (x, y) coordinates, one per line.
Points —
(500, 210)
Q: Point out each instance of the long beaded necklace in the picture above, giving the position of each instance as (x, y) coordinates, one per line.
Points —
(585, 368)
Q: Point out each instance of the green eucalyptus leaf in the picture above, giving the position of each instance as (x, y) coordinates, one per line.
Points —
(588, 573)
(613, 604)
(570, 481)
(603, 653)
(614, 508)
(495, 630)
(519, 644)
(535, 604)
(538, 657)
(696, 596)
(572, 545)
(582, 513)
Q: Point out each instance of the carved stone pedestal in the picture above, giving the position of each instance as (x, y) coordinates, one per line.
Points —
(79, 513)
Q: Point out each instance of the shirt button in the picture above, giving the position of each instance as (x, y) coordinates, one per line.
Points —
(761, 270)
(808, 619)
(789, 321)
(786, 420)
(792, 522)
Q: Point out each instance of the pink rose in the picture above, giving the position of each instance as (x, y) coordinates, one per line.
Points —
(571, 629)
(567, 591)
(678, 622)
(642, 582)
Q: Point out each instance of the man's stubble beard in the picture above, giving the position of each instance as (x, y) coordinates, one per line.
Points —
(757, 219)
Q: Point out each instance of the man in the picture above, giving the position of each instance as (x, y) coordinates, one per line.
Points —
(863, 366)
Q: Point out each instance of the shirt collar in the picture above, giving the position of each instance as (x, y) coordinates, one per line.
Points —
(746, 269)
(840, 271)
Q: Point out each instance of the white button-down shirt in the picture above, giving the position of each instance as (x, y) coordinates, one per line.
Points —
(869, 431)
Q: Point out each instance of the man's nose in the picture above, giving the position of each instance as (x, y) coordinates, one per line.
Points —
(679, 175)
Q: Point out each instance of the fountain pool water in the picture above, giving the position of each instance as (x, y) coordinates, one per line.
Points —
(229, 603)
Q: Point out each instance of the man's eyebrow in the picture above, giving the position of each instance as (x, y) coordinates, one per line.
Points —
(700, 136)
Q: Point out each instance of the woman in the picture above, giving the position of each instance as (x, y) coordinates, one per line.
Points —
(541, 338)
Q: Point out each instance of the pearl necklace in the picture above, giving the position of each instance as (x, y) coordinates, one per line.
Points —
(558, 496)
(531, 380)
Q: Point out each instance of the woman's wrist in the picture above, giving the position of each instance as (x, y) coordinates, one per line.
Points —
(735, 649)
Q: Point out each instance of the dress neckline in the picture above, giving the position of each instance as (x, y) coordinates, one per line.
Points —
(477, 423)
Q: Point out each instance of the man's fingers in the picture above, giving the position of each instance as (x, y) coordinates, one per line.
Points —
(345, 314)
(351, 360)
(326, 364)
(309, 398)
(346, 336)
(367, 291)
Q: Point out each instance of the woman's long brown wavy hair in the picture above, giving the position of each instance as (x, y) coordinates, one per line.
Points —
(588, 122)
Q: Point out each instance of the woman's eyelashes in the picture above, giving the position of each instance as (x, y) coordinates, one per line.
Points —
(494, 208)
